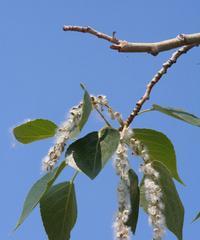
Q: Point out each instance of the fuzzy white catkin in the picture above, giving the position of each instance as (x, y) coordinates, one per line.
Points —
(102, 100)
(99, 101)
(122, 232)
(121, 163)
(153, 192)
(153, 195)
(66, 130)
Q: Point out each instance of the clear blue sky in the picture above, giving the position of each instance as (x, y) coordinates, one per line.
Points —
(41, 68)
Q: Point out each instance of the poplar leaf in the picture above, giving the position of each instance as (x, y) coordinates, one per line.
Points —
(134, 200)
(87, 108)
(178, 114)
(34, 130)
(58, 210)
(37, 191)
(92, 152)
(160, 148)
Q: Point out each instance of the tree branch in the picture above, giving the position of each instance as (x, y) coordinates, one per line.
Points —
(92, 31)
(155, 80)
(156, 47)
(153, 48)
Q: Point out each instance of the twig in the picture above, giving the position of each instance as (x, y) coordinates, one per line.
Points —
(74, 176)
(153, 48)
(92, 31)
(106, 121)
(155, 80)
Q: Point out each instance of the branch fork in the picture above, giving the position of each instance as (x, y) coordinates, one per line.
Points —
(184, 41)
(154, 48)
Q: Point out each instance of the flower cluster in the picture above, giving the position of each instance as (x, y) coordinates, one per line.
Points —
(122, 167)
(115, 115)
(121, 162)
(153, 192)
(121, 230)
(101, 102)
(67, 130)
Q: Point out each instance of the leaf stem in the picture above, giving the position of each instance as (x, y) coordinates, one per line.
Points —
(74, 176)
(146, 110)
(100, 113)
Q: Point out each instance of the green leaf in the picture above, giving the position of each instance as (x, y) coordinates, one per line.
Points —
(37, 191)
(134, 200)
(59, 211)
(173, 211)
(87, 108)
(159, 148)
(34, 130)
(178, 114)
(197, 217)
(91, 152)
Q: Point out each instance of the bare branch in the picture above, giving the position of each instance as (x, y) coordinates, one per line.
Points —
(92, 32)
(155, 80)
(185, 41)
(153, 48)
(156, 47)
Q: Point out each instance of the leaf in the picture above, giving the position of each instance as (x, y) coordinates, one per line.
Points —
(178, 114)
(134, 200)
(159, 148)
(59, 211)
(34, 130)
(37, 191)
(197, 217)
(91, 152)
(87, 108)
(173, 211)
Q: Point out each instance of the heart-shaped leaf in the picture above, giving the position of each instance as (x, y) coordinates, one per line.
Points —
(173, 207)
(178, 114)
(134, 200)
(91, 152)
(59, 211)
(159, 149)
(37, 191)
(34, 130)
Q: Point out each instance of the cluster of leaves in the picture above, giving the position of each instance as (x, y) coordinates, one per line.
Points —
(58, 205)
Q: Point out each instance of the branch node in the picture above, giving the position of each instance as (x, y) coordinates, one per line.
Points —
(153, 48)
(155, 80)
(182, 38)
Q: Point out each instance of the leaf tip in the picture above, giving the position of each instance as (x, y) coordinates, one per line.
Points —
(180, 181)
(196, 218)
(16, 226)
(82, 86)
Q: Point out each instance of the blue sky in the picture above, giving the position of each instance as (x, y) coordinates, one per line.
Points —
(41, 69)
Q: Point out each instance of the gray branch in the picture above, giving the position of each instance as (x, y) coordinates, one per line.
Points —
(153, 48)
(155, 80)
